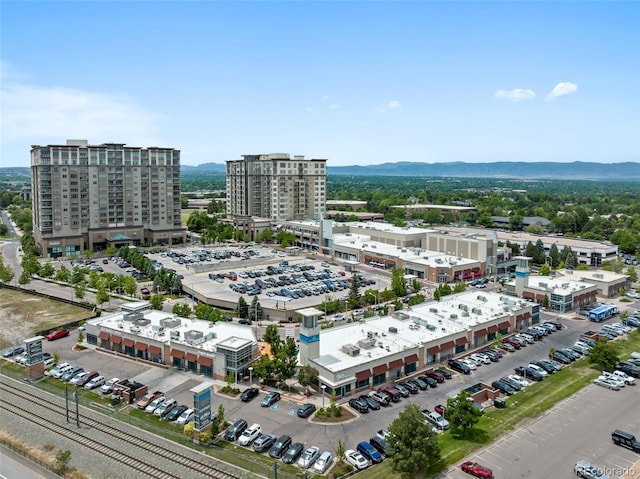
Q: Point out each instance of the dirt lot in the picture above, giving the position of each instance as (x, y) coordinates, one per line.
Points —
(21, 315)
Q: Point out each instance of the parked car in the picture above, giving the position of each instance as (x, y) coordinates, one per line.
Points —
(621, 376)
(12, 351)
(359, 405)
(507, 347)
(459, 366)
(356, 459)
(437, 375)
(165, 407)
(436, 419)
(60, 370)
(292, 454)
(369, 452)
(546, 367)
(503, 387)
(371, 403)
(147, 399)
(270, 399)
(625, 439)
(629, 368)
(250, 434)
(86, 378)
(94, 382)
(280, 446)
(323, 462)
(176, 412)
(515, 385)
(381, 445)
(419, 383)
(264, 442)
(538, 369)
(306, 410)
(248, 394)
(402, 390)
(588, 471)
(477, 470)
(155, 404)
(528, 373)
(308, 457)
(57, 334)
(72, 373)
(444, 372)
(108, 386)
(606, 383)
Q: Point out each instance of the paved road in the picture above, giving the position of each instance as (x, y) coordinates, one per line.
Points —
(15, 467)
(4, 219)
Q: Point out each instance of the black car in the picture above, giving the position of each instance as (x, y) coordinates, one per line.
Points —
(436, 375)
(175, 412)
(270, 399)
(381, 445)
(370, 402)
(419, 383)
(359, 405)
(248, 394)
(546, 366)
(559, 357)
(514, 385)
(555, 324)
(306, 410)
(571, 354)
(492, 354)
(293, 453)
(13, 351)
(430, 381)
(445, 373)
(234, 431)
(264, 442)
(413, 389)
(280, 446)
(629, 368)
(458, 366)
(503, 387)
(528, 373)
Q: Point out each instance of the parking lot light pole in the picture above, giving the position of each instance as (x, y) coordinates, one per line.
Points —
(323, 387)
(250, 376)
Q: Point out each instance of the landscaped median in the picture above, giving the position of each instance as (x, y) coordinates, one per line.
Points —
(522, 406)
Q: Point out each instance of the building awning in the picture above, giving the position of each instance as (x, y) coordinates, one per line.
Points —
(494, 328)
(118, 237)
(141, 346)
(362, 375)
(104, 335)
(205, 361)
(412, 358)
(527, 315)
(154, 349)
(380, 369)
(504, 325)
(480, 333)
(446, 346)
(191, 357)
(396, 363)
(433, 350)
(528, 294)
(116, 339)
(539, 297)
(461, 341)
(176, 353)
(128, 343)
(519, 317)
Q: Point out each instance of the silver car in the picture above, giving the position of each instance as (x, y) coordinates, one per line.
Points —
(308, 457)
(323, 462)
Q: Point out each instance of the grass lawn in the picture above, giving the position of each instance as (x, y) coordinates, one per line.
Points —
(521, 407)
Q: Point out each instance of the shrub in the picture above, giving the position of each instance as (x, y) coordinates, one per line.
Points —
(205, 438)
(188, 430)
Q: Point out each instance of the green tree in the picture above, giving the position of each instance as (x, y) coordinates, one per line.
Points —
(632, 273)
(459, 287)
(79, 291)
(307, 375)
(340, 450)
(129, 284)
(255, 311)
(62, 461)
(80, 337)
(47, 270)
(572, 260)
(545, 270)
(63, 275)
(242, 308)
(181, 309)
(6, 272)
(272, 337)
(398, 282)
(461, 413)
(101, 295)
(604, 355)
(413, 443)
(156, 301)
(353, 299)
(285, 239)
(545, 301)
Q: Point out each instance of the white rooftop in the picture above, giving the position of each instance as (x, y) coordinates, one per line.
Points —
(561, 286)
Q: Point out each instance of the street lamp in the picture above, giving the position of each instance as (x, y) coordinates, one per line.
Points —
(323, 387)
(250, 376)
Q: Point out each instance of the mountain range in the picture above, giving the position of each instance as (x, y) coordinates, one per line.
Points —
(576, 170)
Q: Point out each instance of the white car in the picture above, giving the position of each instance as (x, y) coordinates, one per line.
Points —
(94, 383)
(519, 379)
(624, 377)
(438, 421)
(539, 370)
(107, 387)
(470, 363)
(616, 379)
(308, 457)
(356, 459)
(339, 317)
(250, 434)
(186, 417)
(480, 358)
(60, 369)
(78, 377)
(155, 404)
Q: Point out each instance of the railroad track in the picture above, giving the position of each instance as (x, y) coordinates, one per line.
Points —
(153, 450)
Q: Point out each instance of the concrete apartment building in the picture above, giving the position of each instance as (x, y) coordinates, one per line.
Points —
(90, 197)
(276, 187)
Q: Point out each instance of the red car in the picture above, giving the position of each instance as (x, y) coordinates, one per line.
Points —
(477, 470)
(57, 334)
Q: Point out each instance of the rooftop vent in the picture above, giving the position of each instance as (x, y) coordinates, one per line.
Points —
(393, 329)
(171, 322)
(351, 349)
(367, 343)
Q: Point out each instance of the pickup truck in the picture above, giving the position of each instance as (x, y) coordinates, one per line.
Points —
(148, 399)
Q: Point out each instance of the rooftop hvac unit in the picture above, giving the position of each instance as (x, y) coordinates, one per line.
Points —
(476, 310)
(351, 349)
(393, 329)
(171, 322)
(174, 334)
(482, 298)
(433, 310)
(367, 343)
(132, 316)
(143, 322)
(453, 316)
(463, 307)
(380, 345)
(157, 328)
(465, 314)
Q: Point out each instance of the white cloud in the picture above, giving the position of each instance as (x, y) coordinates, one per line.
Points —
(515, 95)
(333, 106)
(562, 89)
(325, 97)
(393, 105)
(309, 109)
(38, 113)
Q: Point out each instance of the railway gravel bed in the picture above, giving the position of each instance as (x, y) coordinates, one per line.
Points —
(102, 447)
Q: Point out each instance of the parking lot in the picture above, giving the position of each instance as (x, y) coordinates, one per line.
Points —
(281, 419)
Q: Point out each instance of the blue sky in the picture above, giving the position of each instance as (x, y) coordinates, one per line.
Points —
(353, 82)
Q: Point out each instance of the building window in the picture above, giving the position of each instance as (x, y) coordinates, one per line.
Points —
(362, 384)
(379, 379)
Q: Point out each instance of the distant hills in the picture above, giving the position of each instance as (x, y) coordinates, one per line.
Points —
(576, 170)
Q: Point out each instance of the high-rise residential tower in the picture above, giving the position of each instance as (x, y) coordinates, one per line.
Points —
(276, 187)
(90, 197)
